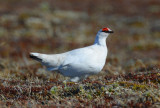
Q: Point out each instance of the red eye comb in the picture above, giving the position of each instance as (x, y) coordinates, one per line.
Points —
(105, 29)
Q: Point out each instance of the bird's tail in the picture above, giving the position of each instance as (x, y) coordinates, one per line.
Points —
(52, 62)
(35, 56)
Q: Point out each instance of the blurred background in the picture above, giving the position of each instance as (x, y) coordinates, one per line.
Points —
(55, 26)
(130, 77)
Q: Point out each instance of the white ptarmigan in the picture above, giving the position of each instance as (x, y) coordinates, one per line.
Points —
(79, 63)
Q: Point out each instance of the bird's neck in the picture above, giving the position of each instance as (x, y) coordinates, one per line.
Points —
(100, 40)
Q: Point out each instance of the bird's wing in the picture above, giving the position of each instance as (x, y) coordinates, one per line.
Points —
(78, 56)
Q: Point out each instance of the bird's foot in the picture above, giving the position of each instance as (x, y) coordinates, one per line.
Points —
(75, 79)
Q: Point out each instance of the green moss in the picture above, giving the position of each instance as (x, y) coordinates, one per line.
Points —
(134, 86)
(54, 90)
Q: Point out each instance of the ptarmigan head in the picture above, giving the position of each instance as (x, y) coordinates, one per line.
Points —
(102, 35)
(104, 32)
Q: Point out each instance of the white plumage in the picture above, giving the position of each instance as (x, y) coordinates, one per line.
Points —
(79, 63)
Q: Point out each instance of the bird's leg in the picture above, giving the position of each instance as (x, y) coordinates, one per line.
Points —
(86, 76)
(75, 79)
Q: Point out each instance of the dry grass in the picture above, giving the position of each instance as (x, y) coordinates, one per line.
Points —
(130, 78)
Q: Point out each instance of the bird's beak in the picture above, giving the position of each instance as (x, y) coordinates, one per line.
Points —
(110, 31)
(107, 30)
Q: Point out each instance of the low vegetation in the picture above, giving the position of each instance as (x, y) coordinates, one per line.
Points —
(130, 78)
